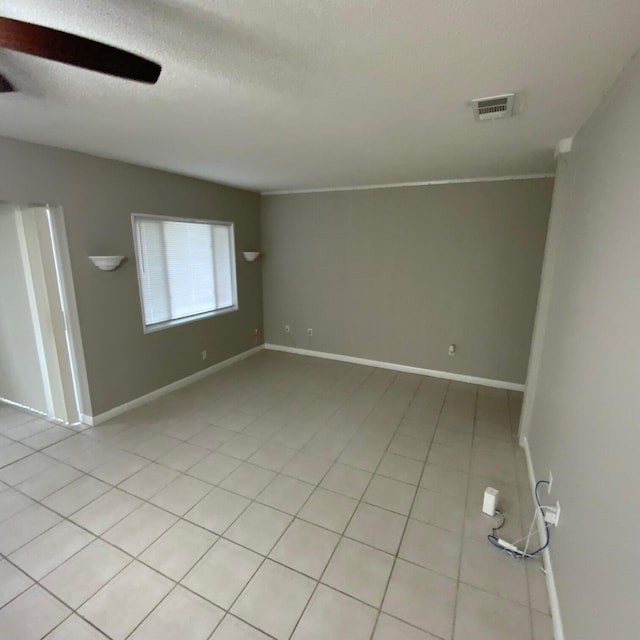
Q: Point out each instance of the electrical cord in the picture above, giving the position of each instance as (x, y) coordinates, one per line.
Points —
(504, 519)
(514, 551)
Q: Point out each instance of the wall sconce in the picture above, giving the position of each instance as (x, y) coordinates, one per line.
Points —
(106, 263)
(251, 256)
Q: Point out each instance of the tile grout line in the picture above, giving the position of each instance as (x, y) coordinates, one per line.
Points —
(318, 581)
(195, 524)
(334, 460)
(406, 524)
(262, 562)
(464, 523)
(133, 559)
(265, 558)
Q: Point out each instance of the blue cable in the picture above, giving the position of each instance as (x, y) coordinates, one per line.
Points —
(494, 540)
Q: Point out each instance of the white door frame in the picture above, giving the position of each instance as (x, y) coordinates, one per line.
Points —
(73, 338)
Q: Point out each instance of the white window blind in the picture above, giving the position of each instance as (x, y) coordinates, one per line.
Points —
(185, 268)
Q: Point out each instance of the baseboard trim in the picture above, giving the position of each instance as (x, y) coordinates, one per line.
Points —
(458, 377)
(93, 421)
(554, 602)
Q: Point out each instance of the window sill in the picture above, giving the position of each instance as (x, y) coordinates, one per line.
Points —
(152, 328)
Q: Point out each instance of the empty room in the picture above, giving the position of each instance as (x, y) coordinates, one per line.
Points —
(319, 320)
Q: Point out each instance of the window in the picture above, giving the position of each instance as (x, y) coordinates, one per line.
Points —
(186, 269)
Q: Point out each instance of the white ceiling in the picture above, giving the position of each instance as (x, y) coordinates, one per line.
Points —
(279, 94)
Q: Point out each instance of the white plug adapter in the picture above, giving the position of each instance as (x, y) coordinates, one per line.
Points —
(490, 502)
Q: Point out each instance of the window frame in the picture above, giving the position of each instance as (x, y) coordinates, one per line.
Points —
(175, 322)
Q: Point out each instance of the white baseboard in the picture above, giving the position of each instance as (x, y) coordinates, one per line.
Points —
(554, 603)
(93, 421)
(458, 377)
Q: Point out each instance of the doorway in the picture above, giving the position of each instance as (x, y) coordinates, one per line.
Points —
(39, 353)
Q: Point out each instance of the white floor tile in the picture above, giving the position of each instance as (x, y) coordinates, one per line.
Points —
(258, 528)
(182, 615)
(50, 549)
(76, 495)
(274, 599)
(359, 570)
(286, 494)
(422, 597)
(327, 509)
(217, 511)
(181, 495)
(31, 615)
(83, 574)
(125, 601)
(183, 457)
(377, 527)
(390, 494)
(104, 512)
(51, 479)
(12, 502)
(496, 572)
(332, 615)
(148, 481)
(389, 628)
(139, 529)
(307, 467)
(277, 455)
(25, 526)
(272, 456)
(214, 468)
(346, 480)
(248, 480)
(222, 573)
(177, 550)
(483, 616)
(12, 582)
(432, 547)
(75, 628)
(439, 509)
(305, 548)
(231, 628)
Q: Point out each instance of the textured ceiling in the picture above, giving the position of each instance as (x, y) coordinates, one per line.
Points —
(278, 94)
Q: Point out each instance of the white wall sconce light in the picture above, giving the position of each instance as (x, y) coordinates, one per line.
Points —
(251, 256)
(106, 263)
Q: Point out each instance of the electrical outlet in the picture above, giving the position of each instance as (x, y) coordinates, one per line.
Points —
(452, 349)
(552, 514)
(310, 332)
(287, 328)
(204, 354)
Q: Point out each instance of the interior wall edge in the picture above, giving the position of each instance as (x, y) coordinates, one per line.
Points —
(554, 601)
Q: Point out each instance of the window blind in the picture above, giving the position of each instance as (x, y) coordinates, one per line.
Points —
(186, 268)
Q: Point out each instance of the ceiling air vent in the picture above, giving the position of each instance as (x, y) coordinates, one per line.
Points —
(494, 107)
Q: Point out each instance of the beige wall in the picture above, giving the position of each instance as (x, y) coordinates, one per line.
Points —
(398, 274)
(98, 197)
(582, 422)
(20, 372)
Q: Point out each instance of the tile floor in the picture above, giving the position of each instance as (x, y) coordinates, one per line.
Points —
(284, 497)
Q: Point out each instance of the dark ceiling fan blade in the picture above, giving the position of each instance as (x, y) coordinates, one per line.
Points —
(5, 85)
(76, 50)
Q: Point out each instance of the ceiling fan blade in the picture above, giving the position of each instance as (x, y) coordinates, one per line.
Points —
(75, 50)
(5, 85)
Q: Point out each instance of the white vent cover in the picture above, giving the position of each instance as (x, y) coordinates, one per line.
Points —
(494, 107)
